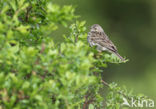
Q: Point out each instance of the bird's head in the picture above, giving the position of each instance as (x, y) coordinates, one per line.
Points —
(97, 28)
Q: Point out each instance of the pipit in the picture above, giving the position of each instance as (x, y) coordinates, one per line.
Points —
(97, 37)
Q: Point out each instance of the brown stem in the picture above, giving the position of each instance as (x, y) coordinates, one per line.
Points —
(106, 84)
(27, 13)
(42, 48)
(88, 101)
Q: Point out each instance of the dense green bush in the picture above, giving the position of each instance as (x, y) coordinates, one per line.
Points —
(35, 73)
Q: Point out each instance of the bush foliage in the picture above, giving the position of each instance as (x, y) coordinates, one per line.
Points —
(35, 73)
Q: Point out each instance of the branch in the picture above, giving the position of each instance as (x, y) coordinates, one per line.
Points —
(27, 13)
(106, 84)
(87, 101)
(76, 37)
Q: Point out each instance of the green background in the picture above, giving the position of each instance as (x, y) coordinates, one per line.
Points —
(131, 25)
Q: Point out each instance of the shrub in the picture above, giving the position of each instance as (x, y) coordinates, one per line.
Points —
(35, 73)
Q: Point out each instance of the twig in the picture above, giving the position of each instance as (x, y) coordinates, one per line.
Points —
(105, 83)
(27, 13)
(76, 37)
(42, 48)
(87, 102)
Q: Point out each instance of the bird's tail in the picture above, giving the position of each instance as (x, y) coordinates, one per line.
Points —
(117, 54)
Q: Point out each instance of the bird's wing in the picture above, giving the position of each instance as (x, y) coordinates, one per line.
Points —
(102, 40)
(108, 44)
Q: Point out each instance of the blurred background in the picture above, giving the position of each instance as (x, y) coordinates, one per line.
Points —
(131, 25)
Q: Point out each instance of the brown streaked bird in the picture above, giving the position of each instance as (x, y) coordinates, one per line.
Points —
(97, 37)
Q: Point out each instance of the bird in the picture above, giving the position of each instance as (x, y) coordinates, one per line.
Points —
(97, 37)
